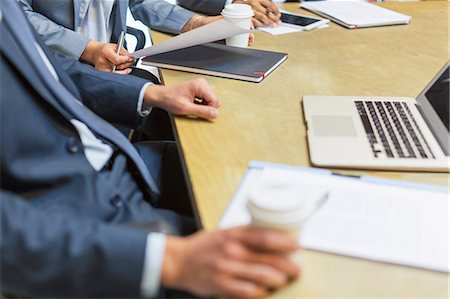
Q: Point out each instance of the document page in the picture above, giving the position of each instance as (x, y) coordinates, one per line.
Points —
(280, 29)
(357, 13)
(205, 34)
(370, 219)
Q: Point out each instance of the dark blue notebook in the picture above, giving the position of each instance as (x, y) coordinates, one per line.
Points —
(221, 61)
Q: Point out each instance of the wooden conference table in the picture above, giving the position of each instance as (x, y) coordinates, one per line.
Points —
(264, 121)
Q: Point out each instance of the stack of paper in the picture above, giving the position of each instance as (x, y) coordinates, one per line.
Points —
(355, 14)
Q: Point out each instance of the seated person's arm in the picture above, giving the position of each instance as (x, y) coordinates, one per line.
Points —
(57, 37)
(112, 96)
(58, 255)
(73, 44)
(163, 16)
(115, 97)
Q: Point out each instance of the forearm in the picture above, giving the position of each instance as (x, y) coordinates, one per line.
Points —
(160, 15)
(55, 36)
(112, 96)
(198, 21)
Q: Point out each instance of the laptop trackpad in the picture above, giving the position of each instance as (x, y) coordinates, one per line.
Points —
(333, 126)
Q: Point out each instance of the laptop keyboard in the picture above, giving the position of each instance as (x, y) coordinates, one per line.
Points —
(392, 130)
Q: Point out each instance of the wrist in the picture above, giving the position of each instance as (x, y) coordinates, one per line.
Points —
(194, 22)
(90, 52)
(173, 262)
(152, 96)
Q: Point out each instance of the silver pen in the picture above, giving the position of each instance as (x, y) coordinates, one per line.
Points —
(119, 46)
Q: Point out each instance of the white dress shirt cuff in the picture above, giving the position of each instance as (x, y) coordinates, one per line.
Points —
(228, 2)
(153, 261)
(143, 112)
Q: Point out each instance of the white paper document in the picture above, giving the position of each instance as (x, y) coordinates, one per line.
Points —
(285, 29)
(382, 220)
(280, 29)
(354, 14)
(205, 34)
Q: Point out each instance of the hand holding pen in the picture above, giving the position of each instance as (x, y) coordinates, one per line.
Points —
(119, 49)
(104, 56)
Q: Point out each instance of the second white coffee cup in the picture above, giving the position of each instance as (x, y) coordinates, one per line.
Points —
(241, 16)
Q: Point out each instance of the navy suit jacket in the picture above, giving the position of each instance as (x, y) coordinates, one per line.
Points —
(208, 7)
(62, 232)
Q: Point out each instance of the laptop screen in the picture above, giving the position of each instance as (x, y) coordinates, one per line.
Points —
(438, 97)
(434, 105)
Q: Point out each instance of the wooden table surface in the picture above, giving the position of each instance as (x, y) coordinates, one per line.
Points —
(264, 121)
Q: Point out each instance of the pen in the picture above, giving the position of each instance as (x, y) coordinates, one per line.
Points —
(119, 46)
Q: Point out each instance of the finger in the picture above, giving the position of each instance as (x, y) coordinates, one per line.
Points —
(123, 72)
(270, 6)
(282, 262)
(113, 58)
(237, 288)
(251, 39)
(268, 13)
(273, 17)
(257, 23)
(103, 64)
(124, 65)
(202, 90)
(262, 17)
(201, 111)
(271, 12)
(260, 274)
(124, 52)
(265, 239)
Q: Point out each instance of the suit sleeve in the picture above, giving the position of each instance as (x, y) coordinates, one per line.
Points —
(55, 36)
(55, 255)
(112, 96)
(207, 7)
(160, 15)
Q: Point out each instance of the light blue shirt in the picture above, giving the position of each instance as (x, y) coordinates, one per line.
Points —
(95, 19)
(98, 154)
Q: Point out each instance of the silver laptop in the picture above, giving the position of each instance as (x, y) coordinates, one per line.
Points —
(388, 133)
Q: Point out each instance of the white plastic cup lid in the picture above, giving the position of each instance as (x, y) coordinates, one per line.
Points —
(238, 11)
(282, 205)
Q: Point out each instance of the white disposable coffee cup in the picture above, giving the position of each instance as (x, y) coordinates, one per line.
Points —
(241, 16)
(284, 208)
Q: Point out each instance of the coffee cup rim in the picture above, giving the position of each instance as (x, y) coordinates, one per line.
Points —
(287, 217)
(238, 13)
